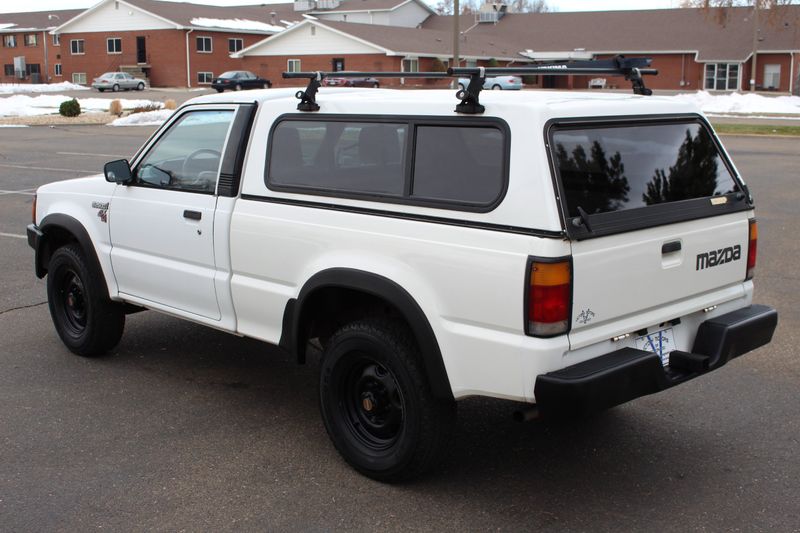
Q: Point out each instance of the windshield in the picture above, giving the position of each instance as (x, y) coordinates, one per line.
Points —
(620, 167)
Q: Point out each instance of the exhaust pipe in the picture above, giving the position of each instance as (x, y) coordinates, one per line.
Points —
(526, 415)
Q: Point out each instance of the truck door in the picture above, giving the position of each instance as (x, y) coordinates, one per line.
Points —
(162, 223)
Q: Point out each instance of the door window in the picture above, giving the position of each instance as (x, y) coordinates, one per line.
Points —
(188, 156)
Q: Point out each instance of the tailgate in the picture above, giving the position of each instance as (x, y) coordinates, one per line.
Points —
(621, 275)
(655, 212)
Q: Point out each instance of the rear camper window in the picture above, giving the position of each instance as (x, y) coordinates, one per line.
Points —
(607, 169)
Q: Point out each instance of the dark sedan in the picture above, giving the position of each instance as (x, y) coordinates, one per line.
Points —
(237, 80)
(350, 82)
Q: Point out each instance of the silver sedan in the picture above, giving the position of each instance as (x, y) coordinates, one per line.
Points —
(115, 81)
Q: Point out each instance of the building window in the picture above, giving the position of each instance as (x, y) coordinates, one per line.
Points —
(722, 76)
(31, 39)
(772, 77)
(204, 45)
(205, 77)
(411, 65)
(10, 41)
(56, 39)
(234, 45)
(8, 69)
(114, 45)
(293, 65)
(79, 78)
(58, 69)
(33, 68)
(76, 47)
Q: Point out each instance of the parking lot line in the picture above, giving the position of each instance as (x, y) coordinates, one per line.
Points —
(26, 192)
(13, 235)
(72, 171)
(90, 154)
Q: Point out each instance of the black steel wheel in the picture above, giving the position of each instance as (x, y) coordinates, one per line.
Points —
(376, 402)
(87, 321)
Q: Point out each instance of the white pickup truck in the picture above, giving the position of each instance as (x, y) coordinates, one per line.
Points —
(569, 250)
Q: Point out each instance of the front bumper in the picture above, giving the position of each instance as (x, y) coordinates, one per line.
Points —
(35, 240)
(626, 374)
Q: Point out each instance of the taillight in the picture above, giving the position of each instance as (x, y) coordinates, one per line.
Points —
(752, 248)
(33, 210)
(549, 297)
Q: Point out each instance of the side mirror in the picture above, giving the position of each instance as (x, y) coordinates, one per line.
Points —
(118, 171)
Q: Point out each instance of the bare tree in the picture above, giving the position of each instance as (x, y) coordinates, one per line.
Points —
(531, 6)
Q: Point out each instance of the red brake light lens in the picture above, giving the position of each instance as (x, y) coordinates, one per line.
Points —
(752, 249)
(549, 298)
(33, 210)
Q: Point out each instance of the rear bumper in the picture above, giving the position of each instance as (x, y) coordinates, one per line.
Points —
(628, 373)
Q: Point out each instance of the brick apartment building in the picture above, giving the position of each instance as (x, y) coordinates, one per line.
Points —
(183, 44)
(29, 52)
(172, 44)
(692, 48)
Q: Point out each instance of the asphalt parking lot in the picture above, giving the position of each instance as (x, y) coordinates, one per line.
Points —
(187, 428)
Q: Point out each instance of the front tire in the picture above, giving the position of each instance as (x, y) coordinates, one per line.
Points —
(88, 323)
(238, 87)
(115, 88)
(140, 87)
(496, 88)
(376, 402)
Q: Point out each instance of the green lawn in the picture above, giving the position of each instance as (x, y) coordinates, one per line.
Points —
(756, 129)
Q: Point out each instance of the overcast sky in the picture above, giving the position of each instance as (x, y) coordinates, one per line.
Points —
(11, 6)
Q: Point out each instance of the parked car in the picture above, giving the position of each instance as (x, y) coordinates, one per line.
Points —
(505, 83)
(237, 80)
(115, 81)
(351, 82)
(569, 250)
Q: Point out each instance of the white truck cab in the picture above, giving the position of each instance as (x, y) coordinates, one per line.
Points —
(569, 250)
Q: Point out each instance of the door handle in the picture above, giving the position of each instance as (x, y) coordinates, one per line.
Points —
(669, 247)
(192, 215)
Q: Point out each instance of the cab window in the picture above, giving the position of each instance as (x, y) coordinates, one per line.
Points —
(187, 157)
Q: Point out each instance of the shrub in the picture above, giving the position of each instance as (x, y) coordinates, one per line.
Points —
(70, 108)
(492, 63)
(437, 65)
(170, 104)
(115, 108)
(145, 108)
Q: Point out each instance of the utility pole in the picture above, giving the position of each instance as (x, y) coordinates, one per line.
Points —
(753, 71)
(456, 32)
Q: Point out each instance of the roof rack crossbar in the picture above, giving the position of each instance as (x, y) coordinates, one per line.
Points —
(308, 97)
(631, 68)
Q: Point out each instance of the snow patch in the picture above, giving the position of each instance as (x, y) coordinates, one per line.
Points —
(13, 126)
(236, 24)
(148, 118)
(20, 105)
(747, 104)
(7, 25)
(19, 88)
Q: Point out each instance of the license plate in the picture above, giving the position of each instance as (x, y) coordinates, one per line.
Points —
(660, 343)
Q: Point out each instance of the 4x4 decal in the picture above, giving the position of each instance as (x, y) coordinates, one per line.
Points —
(718, 257)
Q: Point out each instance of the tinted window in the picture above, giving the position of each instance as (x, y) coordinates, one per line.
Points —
(357, 157)
(613, 168)
(463, 164)
(187, 157)
(459, 163)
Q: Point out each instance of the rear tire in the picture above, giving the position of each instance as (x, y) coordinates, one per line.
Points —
(88, 322)
(376, 402)
(115, 88)
(101, 90)
(496, 88)
(237, 88)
